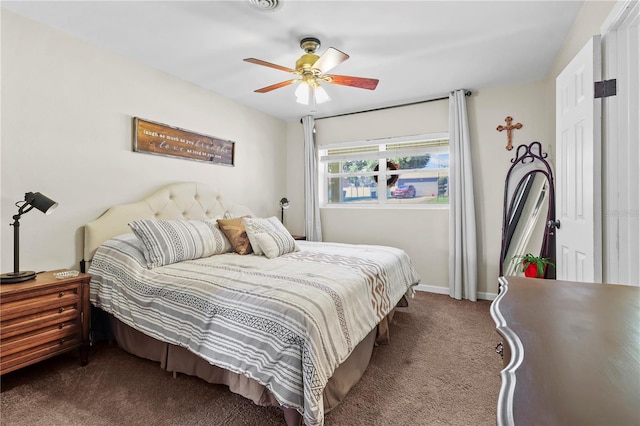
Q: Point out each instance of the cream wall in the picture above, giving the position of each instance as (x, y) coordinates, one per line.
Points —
(532, 104)
(67, 111)
(424, 233)
(419, 232)
(487, 109)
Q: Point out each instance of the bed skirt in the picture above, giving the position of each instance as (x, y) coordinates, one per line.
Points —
(177, 359)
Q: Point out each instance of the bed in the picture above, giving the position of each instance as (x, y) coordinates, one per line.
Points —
(293, 326)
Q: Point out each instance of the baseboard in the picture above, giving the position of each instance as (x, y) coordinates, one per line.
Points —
(432, 289)
(445, 290)
(486, 296)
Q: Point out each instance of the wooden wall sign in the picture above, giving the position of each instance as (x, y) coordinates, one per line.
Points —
(160, 139)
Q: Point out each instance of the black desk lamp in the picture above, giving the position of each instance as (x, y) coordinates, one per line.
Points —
(31, 200)
(284, 204)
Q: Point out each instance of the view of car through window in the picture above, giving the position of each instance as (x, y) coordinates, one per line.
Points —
(404, 191)
(417, 172)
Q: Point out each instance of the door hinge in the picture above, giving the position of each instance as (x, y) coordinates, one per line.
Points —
(605, 88)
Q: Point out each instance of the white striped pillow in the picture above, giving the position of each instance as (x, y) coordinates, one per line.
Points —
(276, 243)
(223, 245)
(171, 241)
(256, 225)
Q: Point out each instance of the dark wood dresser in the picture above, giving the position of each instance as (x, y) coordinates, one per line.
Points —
(571, 353)
(42, 318)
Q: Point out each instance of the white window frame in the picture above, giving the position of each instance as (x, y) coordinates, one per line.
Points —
(323, 174)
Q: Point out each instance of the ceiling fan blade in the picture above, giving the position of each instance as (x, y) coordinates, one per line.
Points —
(276, 86)
(268, 64)
(345, 80)
(330, 59)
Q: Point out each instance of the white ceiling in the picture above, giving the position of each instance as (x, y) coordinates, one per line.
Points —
(417, 49)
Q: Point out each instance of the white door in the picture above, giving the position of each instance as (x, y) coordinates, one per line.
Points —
(578, 207)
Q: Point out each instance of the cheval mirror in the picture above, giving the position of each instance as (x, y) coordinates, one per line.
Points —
(528, 218)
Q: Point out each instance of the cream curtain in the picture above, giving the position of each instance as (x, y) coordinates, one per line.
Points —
(313, 229)
(463, 257)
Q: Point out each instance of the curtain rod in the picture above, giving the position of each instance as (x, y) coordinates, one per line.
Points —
(466, 93)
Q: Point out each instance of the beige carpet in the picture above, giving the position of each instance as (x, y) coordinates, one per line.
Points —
(440, 369)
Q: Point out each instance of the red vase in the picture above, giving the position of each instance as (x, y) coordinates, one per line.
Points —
(532, 271)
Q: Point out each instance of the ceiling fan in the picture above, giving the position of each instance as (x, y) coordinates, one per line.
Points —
(311, 70)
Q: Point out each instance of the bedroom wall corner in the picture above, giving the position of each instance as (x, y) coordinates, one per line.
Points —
(66, 131)
(491, 160)
(486, 109)
(294, 216)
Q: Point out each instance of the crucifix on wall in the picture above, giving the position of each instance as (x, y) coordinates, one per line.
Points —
(509, 127)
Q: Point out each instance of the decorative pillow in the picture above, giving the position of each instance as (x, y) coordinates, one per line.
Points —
(222, 243)
(236, 233)
(276, 243)
(171, 241)
(278, 225)
(256, 226)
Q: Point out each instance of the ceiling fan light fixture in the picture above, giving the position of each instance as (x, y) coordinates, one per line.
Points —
(321, 95)
(311, 94)
(311, 70)
(303, 93)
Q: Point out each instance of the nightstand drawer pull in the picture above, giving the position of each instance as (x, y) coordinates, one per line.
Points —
(61, 294)
(61, 326)
(61, 341)
(61, 310)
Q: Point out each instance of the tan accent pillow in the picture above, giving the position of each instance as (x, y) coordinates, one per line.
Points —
(236, 233)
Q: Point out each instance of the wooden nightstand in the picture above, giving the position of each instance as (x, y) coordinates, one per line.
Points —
(299, 237)
(42, 318)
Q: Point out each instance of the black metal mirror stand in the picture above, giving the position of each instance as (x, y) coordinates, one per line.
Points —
(530, 155)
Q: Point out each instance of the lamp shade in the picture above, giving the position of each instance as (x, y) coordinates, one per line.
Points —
(31, 200)
(303, 93)
(41, 202)
(284, 204)
(321, 95)
(311, 93)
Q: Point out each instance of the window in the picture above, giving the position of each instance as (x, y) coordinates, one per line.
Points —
(411, 170)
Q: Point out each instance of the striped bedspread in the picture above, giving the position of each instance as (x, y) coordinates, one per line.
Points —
(286, 322)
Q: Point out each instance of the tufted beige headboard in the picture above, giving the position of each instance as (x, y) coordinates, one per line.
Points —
(188, 200)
